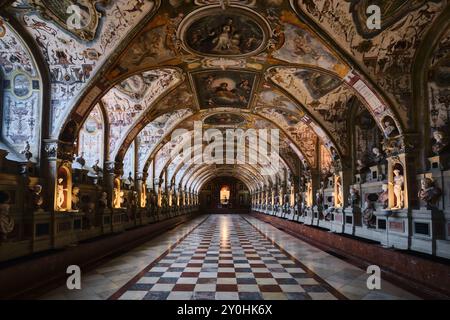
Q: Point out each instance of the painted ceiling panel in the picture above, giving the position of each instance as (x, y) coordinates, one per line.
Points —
(74, 58)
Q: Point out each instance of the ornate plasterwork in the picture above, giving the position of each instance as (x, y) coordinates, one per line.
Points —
(330, 109)
(128, 162)
(73, 62)
(124, 110)
(439, 86)
(91, 138)
(387, 55)
(21, 95)
(151, 136)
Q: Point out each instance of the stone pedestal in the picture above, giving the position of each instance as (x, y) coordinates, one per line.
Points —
(117, 220)
(315, 216)
(308, 216)
(352, 217)
(427, 227)
(106, 221)
(397, 229)
(63, 233)
(338, 221)
(290, 215)
(40, 223)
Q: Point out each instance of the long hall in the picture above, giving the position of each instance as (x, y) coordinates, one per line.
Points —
(224, 149)
(227, 257)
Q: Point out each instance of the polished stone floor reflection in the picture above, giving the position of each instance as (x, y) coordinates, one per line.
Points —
(227, 257)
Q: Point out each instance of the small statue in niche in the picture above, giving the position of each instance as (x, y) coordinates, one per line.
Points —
(6, 221)
(440, 142)
(26, 151)
(118, 198)
(76, 198)
(383, 197)
(60, 194)
(319, 198)
(398, 184)
(377, 156)
(38, 200)
(429, 192)
(103, 201)
(128, 182)
(339, 196)
(353, 197)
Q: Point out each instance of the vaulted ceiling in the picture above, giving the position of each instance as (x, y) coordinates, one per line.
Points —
(141, 69)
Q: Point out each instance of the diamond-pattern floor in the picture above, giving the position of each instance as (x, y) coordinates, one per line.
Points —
(226, 258)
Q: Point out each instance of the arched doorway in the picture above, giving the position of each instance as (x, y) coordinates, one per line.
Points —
(225, 195)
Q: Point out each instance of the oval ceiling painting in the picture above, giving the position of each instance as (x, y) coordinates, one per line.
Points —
(225, 119)
(230, 33)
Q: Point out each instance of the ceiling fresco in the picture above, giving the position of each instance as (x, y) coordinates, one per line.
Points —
(387, 54)
(305, 67)
(439, 86)
(124, 110)
(232, 34)
(222, 89)
(73, 58)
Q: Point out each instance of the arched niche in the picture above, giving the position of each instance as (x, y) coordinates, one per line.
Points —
(63, 198)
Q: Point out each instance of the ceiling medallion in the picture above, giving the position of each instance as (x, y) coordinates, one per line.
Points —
(232, 32)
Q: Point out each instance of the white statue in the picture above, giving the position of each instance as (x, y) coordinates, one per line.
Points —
(398, 184)
(339, 196)
(60, 197)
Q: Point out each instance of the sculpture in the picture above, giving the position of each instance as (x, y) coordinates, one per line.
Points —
(384, 196)
(440, 142)
(75, 198)
(368, 213)
(339, 197)
(353, 197)
(79, 162)
(38, 200)
(103, 201)
(118, 198)
(26, 151)
(6, 221)
(129, 181)
(378, 156)
(60, 195)
(319, 198)
(398, 189)
(429, 192)
(96, 170)
(360, 166)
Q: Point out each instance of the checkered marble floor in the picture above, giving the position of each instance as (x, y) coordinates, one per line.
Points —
(226, 258)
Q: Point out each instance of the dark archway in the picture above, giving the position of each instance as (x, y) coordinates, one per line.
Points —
(213, 199)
